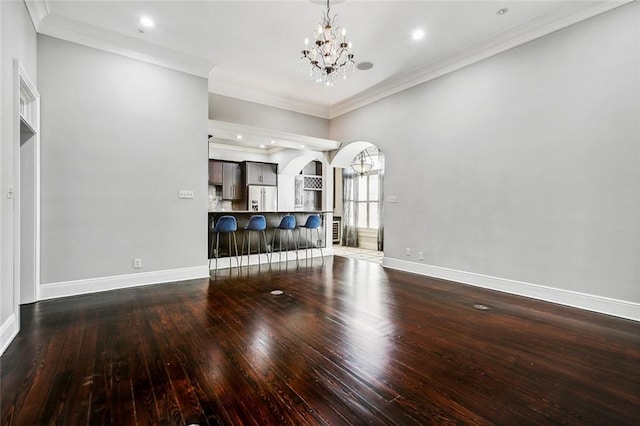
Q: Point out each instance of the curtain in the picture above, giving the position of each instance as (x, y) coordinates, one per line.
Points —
(349, 208)
(381, 201)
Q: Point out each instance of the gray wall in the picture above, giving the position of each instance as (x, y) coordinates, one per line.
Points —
(18, 40)
(525, 166)
(223, 108)
(119, 139)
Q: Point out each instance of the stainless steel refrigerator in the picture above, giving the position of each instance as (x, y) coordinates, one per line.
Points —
(262, 198)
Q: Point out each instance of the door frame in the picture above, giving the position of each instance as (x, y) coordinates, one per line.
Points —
(27, 111)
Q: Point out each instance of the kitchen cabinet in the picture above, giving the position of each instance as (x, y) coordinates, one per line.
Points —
(232, 188)
(261, 173)
(215, 172)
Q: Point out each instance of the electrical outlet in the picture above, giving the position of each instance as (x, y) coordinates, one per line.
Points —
(408, 251)
(185, 193)
(420, 255)
(10, 192)
(137, 263)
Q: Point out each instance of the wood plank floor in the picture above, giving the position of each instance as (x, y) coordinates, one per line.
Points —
(346, 343)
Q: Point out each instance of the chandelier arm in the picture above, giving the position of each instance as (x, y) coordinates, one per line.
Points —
(330, 56)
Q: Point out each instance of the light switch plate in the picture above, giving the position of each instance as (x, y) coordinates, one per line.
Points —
(392, 199)
(185, 193)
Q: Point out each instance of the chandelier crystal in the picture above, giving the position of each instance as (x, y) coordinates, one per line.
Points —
(329, 58)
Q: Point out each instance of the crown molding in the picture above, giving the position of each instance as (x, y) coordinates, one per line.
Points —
(227, 130)
(268, 99)
(537, 27)
(38, 10)
(89, 35)
(92, 36)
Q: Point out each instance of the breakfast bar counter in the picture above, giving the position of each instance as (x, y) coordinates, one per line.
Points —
(273, 219)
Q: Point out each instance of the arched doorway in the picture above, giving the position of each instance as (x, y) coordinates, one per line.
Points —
(290, 173)
(359, 184)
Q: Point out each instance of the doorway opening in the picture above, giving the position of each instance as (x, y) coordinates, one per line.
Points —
(27, 181)
(27, 214)
(358, 202)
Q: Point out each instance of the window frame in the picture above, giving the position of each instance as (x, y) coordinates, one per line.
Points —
(364, 199)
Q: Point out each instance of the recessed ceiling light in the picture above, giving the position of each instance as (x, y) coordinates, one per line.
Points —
(272, 142)
(238, 137)
(364, 66)
(146, 22)
(301, 146)
(502, 11)
(263, 146)
(417, 34)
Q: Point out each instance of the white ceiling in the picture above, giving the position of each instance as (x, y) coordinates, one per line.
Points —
(252, 48)
(239, 137)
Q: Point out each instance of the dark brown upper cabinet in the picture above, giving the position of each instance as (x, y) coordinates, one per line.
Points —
(261, 173)
(215, 172)
(232, 188)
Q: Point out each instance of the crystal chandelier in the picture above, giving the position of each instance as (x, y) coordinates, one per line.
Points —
(329, 57)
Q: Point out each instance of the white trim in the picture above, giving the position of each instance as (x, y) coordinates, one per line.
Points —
(233, 91)
(25, 88)
(226, 130)
(539, 26)
(38, 10)
(8, 331)
(98, 38)
(590, 302)
(554, 20)
(94, 285)
(3, 190)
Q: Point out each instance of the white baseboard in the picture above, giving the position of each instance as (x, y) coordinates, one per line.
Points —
(590, 302)
(93, 285)
(8, 332)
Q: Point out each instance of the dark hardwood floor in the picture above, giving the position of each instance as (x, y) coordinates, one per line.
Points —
(346, 343)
